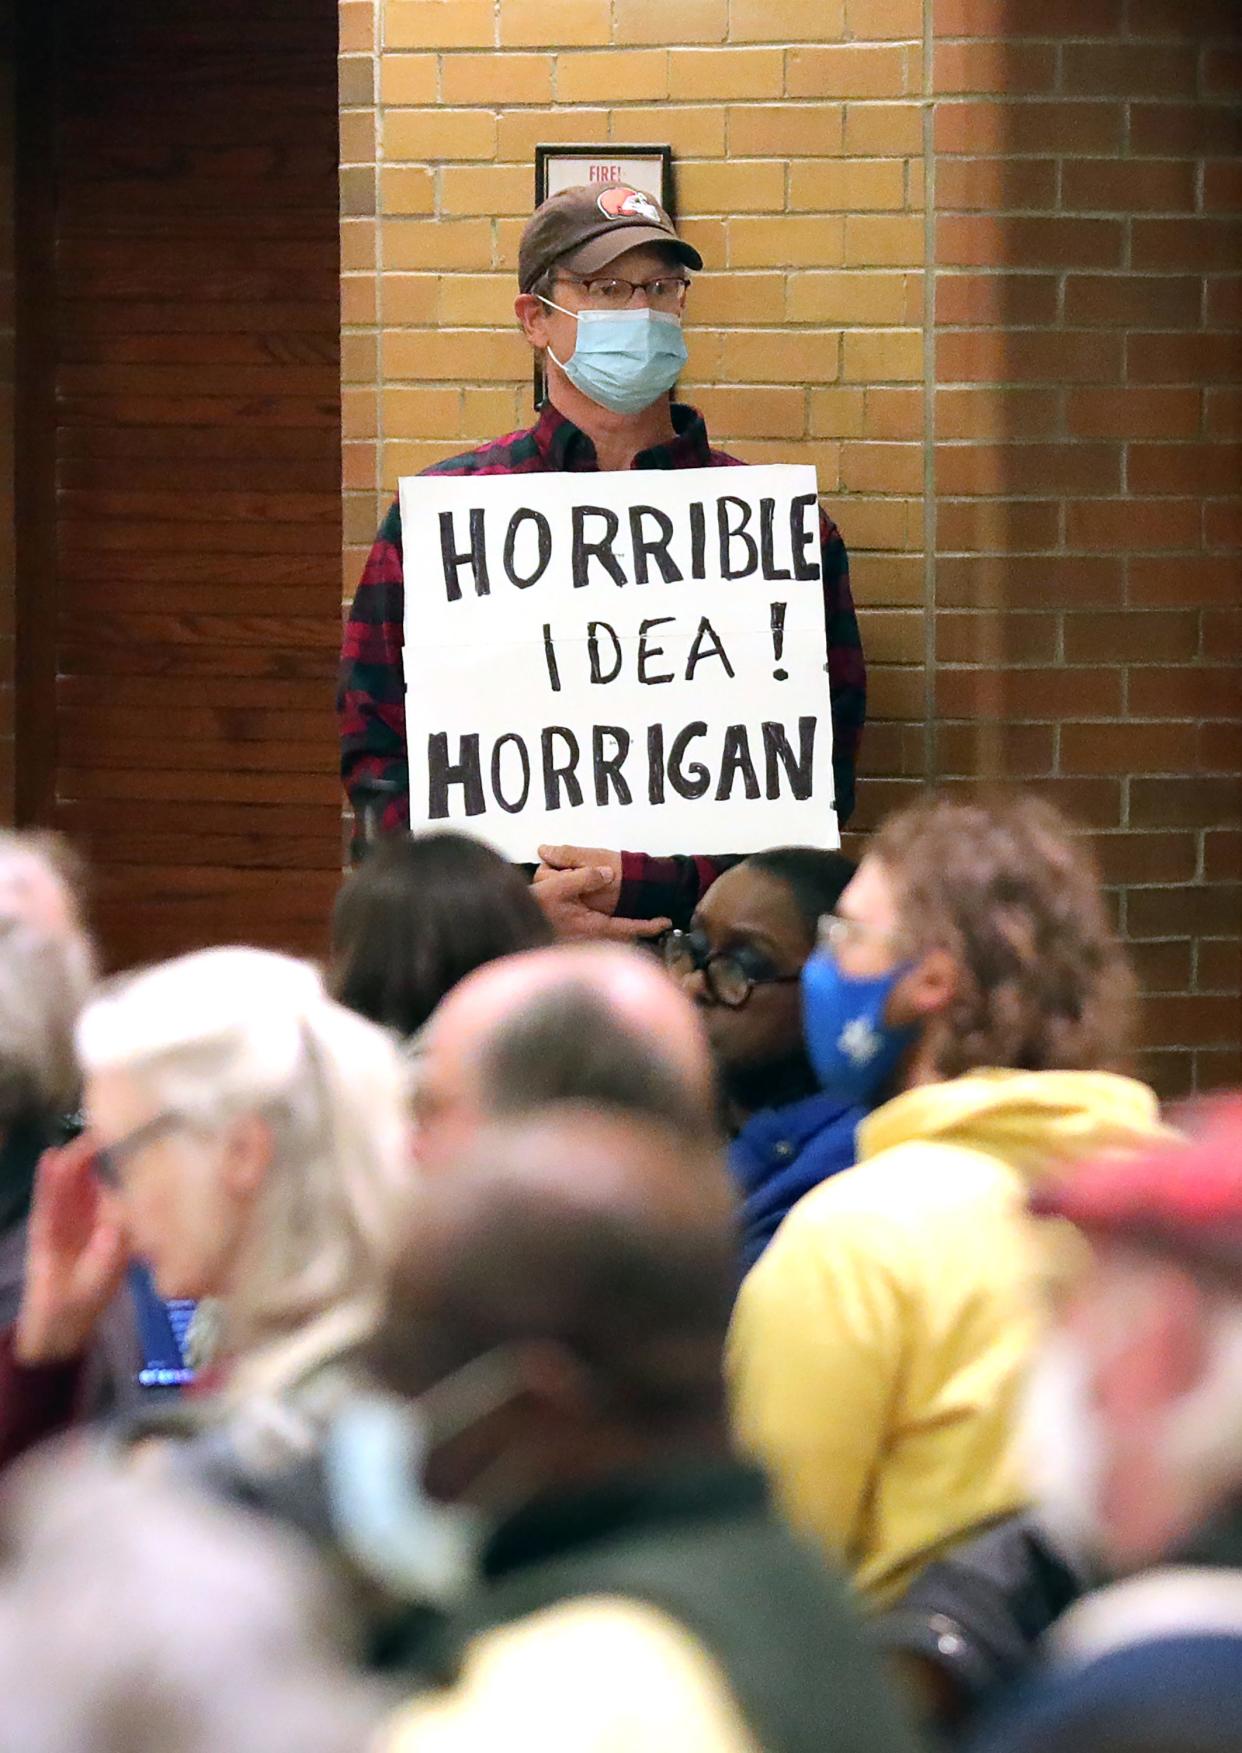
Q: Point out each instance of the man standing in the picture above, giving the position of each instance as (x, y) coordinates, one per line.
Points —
(603, 290)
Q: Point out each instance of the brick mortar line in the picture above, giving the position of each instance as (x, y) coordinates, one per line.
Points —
(995, 270)
(930, 722)
(821, 100)
(1044, 383)
(1097, 39)
(1221, 216)
(377, 68)
(1071, 97)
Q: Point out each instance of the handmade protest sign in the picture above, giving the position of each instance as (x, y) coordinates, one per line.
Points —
(620, 659)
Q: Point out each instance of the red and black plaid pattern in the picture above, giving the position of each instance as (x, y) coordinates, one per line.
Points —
(371, 696)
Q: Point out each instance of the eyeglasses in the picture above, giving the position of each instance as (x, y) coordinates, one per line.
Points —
(836, 932)
(729, 975)
(109, 1160)
(666, 292)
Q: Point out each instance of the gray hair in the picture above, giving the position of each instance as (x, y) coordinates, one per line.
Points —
(179, 1626)
(47, 970)
(569, 1045)
(230, 1032)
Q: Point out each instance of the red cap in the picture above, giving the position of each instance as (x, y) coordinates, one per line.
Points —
(1183, 1198)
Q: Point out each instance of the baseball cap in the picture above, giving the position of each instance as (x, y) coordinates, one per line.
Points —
(1181, 1197)
(595, 224)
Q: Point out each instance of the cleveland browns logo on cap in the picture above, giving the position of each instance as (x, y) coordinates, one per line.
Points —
(619, 202)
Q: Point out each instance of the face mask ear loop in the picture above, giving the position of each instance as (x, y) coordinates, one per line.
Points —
(466, 1397)
(552, 305)
(472, 1392)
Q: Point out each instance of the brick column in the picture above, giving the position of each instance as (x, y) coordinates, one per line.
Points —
(1056, 354)
(799, 140)
(1087, 464)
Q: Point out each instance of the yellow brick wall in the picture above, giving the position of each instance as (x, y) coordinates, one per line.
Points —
(797, 130)
(1084, 586)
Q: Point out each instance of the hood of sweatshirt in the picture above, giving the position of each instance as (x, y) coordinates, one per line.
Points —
(1035, 1121)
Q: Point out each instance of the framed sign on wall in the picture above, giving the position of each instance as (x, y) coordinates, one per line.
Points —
(649, 169)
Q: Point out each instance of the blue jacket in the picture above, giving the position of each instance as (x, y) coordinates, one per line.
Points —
(782, 1153)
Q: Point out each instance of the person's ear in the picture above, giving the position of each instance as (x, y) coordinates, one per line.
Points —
(532, 314)
(927, 990)
(248, 1148)
(554, 1379)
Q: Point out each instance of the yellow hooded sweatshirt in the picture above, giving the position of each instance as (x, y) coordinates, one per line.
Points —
(879, 1347)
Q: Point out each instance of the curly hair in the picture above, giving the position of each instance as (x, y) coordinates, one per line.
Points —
(1010, 892)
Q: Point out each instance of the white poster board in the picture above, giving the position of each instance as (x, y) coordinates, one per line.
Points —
(631, 659)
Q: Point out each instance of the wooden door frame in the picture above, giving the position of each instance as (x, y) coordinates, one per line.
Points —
(36, 609)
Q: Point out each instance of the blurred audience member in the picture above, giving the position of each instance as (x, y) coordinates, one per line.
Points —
(972, 978)
(547, 1026)
(134, 1619)
(588, 1023)
(967, 1628)
(555, 1466)
(1197, 1708)
(1136, 1426)
(741, 962)
(418, 915)
(47, 969)
(246, 1138)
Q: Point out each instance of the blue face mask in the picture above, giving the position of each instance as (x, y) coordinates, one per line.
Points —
(624, 359)
(854, 1051)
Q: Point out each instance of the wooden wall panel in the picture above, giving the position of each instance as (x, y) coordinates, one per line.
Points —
(8, 399)
(194, 324)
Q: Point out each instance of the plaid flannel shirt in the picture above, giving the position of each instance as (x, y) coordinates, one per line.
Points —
(371, 696)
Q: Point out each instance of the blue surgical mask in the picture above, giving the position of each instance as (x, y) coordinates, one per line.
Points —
(854, 1051)
(624, 359)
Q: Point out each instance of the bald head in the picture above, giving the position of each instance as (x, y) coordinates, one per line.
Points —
(608, 1238)
(587, 1023)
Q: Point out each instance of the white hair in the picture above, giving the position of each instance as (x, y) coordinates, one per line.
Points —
(47, 970)
(179, 1626)
(1202, 1438)
(225, 1033)
(1197, 1438)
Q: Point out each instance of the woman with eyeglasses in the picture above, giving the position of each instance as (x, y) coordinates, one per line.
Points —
(971, 991)
(741, 961)
(246, 1138)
